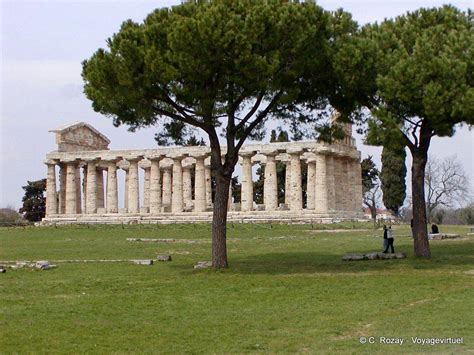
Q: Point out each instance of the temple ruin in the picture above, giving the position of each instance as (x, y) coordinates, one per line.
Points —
(83, 182)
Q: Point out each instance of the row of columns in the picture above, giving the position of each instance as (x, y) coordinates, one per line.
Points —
(333, 183)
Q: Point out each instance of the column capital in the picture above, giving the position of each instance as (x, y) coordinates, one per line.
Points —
(112, 160)
(295, 151)
(70, 161)
(245, 154)
(156, 157)
(134, 159)
(51, 162)
(91, 160)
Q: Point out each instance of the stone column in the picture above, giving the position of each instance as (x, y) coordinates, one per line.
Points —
(187, 186)
(112, 189)
(230, 203)
(270, 184)
(200, 185)
(62, 188)
(331, 183)
(321, 189)
(346, 199)
(287, 183)
(146, 188)
(155, 186)
(125, 191)
(358, 185)
(208, 174)
(351, 180)
(338, 183)
(100, 187)
(51, 193)
(177, 202)
(247, 183)
(84, 190)
(78, 190)
(133, 187)
(296, 202)
(71, 194)
(311, 185)
(91, 187)
(166, 186)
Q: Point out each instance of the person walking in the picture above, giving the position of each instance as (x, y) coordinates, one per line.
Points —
(390, 240)
(385, 237)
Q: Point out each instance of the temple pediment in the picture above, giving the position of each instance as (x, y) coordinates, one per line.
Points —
(80, 136)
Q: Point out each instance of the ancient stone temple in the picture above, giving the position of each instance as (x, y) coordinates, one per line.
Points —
(88, 183)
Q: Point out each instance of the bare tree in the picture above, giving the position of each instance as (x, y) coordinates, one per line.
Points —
(372, 199)
(446, 184)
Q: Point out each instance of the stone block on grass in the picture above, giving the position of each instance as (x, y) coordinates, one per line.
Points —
(143, 262)
(163, 257)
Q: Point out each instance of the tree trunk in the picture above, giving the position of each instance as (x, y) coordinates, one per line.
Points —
(373, 212)
(219, 221)
(420, 234)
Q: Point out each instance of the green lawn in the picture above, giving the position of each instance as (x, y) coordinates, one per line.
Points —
(287, 290)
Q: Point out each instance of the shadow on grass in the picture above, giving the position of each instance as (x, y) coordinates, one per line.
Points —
(448, 256)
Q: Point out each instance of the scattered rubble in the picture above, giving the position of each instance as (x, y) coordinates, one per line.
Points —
(203, 265)
(143, 262)
(165, 257)
(374, 256)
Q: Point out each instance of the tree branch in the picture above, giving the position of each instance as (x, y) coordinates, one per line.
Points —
(261, 115)
(251, 112)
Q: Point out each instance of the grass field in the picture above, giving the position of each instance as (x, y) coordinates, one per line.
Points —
(287, 290)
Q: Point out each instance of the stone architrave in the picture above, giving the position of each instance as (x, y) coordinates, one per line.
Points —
(270, 185)
(208, 174)
(247, 183)
(166, 200)
(71, 194)
(133, 186)
(321, 189)
(155, 186)
(146, 188)
(100, 187)
(331, 183)
(287, 182)
(78, 190)
(187, 186)
(296, 201)
(200, 185)
(112, 187)
(177, 201)
(51, 193)
(91, 207)
(311, 184)
(62, 188)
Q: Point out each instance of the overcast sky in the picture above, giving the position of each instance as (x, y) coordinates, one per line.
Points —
(42, 46)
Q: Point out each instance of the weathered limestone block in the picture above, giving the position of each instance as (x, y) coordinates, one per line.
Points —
(203, 265)
(166, 257)
(143, 262)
